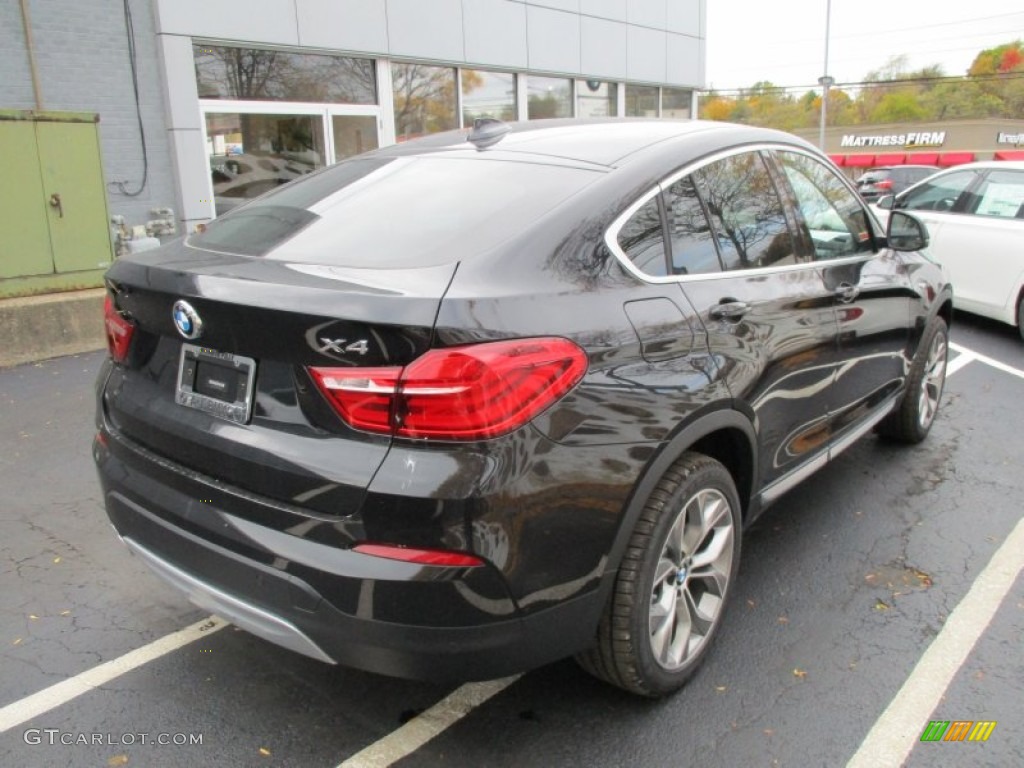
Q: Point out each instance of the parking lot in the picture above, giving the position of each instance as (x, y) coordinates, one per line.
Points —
(882, 594)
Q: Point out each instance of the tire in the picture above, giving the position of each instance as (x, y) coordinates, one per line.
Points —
(912, 419)
(1020, 315)
(673, 583)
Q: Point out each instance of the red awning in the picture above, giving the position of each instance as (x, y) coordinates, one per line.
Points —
(860, 161)
(837, 159)
(956, 158)
(923, 158)
(890, 159)
(1010, 154)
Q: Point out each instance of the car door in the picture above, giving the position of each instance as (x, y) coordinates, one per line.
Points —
(767, 311)
(872, 292)
(981, 243)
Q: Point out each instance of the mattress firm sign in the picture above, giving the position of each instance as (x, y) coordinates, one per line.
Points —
(1010, 138)
(905, 140)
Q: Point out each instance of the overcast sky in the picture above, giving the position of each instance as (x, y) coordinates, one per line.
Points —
(784, 41)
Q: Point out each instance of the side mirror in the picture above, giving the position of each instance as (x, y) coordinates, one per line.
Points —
(905, 232)
(886, 202)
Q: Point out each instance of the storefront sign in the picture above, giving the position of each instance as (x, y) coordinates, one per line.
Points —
(905, 140)
(1010, 138)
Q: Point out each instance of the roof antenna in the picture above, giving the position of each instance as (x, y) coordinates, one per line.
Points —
(487, 132)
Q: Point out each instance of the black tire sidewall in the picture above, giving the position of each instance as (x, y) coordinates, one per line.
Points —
(708, 475)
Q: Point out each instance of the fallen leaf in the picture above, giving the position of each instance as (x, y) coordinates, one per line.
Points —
(33, 616)
(751, 603)
(881, 605)
(720, 688)
(65, 613)
(17, 641)
(783, 620)
(800, 673)
(924, 578)
(264, 751)
(768, 732)
(117, 760)
(979, 675)
(56, 560)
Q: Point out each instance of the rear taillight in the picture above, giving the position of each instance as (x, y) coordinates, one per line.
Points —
(884, 184)
(461, 393)
(119, 331)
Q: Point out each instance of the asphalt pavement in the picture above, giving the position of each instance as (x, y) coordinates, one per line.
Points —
(844, 586)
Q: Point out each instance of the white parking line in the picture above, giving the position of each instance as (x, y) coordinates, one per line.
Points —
(422, 728)
(894, 734)
(987, 360)
(66, 690)
(958, 362)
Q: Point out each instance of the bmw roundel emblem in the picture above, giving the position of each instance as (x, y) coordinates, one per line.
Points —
(187, 320)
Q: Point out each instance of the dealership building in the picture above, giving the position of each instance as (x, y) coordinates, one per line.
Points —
(177, 110)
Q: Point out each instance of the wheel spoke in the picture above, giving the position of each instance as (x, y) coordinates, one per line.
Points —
(719, 543)
(662, 622)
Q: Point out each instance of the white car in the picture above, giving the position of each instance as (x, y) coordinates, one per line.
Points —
(975, 219)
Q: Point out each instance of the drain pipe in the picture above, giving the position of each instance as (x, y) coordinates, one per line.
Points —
(26, 22)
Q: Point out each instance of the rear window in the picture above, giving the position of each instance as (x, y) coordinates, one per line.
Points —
(395, 212)
(873, 177)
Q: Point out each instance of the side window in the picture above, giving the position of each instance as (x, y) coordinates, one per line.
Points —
(746, 214)
(1000, 194)
(835, 219)
(643, 240)
(937, 194)
(692, 244)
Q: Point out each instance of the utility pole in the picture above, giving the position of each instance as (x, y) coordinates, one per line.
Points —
(825, 81)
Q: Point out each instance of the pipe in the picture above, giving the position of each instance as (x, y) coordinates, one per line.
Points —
(30, 47)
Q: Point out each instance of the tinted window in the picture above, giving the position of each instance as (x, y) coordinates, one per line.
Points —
(835, 220)
(938, 193)
(396, 212)
(692, 244)
(1000, 194)
(746, 213)
(643, 241)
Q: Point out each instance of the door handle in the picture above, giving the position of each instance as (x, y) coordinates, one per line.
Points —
(729, 309)
(56, 203)
(847, 292)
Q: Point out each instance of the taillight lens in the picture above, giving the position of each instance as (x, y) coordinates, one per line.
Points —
(460, 393)
(119, 331)
(884, 184)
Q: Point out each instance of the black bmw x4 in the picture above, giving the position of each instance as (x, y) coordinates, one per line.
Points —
(473, 403)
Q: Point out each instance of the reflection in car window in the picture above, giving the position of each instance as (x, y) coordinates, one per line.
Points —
(746, 212)
(693, 247)
(1000, 194)
(836, 222)
(938, 193)
(643, 241)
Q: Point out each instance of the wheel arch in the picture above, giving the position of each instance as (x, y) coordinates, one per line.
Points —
(727, 436)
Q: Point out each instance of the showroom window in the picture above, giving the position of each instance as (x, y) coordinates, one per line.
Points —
(487, 94)
(548, 97)
(595, 98)
(641, 101)
(424, 99)
(675, 102)
(250, 74)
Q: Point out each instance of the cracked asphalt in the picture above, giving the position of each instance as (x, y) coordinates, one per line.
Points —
(843, 585)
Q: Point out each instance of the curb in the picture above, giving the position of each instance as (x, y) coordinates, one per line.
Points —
(40, 327)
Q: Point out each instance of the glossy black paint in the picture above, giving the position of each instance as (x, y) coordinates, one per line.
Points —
(268, 511)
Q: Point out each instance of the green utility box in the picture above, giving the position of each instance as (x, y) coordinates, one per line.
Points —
(54, 223)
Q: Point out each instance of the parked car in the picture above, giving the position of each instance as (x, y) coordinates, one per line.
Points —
(975, 216)
(470, 404)
(891, 179)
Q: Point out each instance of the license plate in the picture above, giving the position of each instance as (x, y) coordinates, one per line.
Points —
(217, 383)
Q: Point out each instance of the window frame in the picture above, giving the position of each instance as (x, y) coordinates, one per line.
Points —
(612, 231)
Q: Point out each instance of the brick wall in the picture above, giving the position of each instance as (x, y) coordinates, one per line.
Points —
(82, 56)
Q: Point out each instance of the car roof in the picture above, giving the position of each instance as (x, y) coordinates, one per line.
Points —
(606, 142)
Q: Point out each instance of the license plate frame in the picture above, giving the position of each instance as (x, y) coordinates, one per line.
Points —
(203, 368)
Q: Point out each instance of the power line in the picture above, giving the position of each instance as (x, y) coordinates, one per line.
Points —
(877, 83)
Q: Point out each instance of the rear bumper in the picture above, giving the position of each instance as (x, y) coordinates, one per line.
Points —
(328, 602)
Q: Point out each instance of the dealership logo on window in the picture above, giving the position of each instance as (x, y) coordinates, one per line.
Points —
(905, 140)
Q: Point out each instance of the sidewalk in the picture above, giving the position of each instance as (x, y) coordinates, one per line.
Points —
(51, 325)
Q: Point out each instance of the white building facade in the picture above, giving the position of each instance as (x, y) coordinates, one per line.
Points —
(262, 91)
